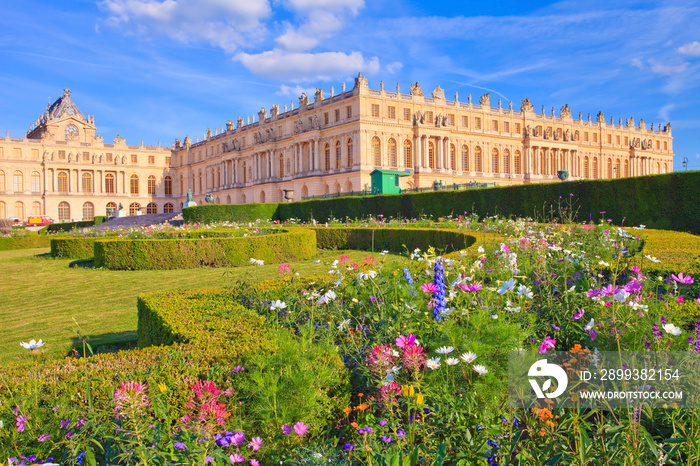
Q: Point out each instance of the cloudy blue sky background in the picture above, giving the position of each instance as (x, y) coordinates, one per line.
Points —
(157, 70)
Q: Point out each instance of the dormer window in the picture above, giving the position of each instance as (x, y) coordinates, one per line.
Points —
(71, 131)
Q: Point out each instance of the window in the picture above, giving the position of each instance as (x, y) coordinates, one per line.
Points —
(350, 147)
(36, 182)
(2, 154)
(477, 123)
(585, 136)
(429, 117)
(327, 156)
(134, 184)
(595, 167)
(35, 153)
(506, 126)
(109, 183)
(3, 210)
(151, 208)
(151, 185)
(595, 137)
(494, 160)
(391, 112)
(610, 168)
(376, 152)
(62, 182)
(407, 114)
(338, 154)
(431, 155)
(108, 156)
(88, 211)
(111, 209)
(134, 158)
(407, 154)
(2, 183)
(18, 178)
(450, 120)
(617, 140)
(506, 161)
(617, 169)
(18, 152)
(326, 118)
(167, 161)
(586, 171)
(86, 185)
(168, 185)
(518, 163)
(392, 153)
(86, 156)
(665, 145)
(348, 111)
(543, 163)
(627, 141)
(465, 121)
(452, 157)
(151, 159)
(609, 138)
(62, 155)
(477, 159)
(337, 115)
(63, 211)
(375, 110)
(494, 125)
(133, 208)
(465, 158)
(168, 208)
(36, 208)
(627, 168)
(517, 128)
(19, 210)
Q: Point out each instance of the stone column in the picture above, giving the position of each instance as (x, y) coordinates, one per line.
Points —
(316, 161)
(439, 155)
(416, 152)
(424, 151)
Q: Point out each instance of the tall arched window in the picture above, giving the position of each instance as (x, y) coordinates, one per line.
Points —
(168, 185)
(3, 209)
(595, 168)
(86, 182)
(453, 156)
(133, 208)
(431, 155)
(218, 175)
(280, 168)
(88, 211)
(327, 156)
(2, 183)
(62, 182)
(350, 155)
(586, 170)
(36, 182)
(610, 168)
(494, 160)
(111, 209)
(19, 210)
(543, 163)
(465, 158)
(392, 153)
(200, 182)
(338, 155)
(627, 168)
(506, 161)
(134, 184)
(63, 211)
(517, 161)
(151, 184)
(168, 208)
(665, 167)
(552, 162)
(151, 208)
(407, 154)
(18, 182)
(36, 208)
(477, 159)
(618, 173)
(376, 152)
(109, 183)
(658, 167)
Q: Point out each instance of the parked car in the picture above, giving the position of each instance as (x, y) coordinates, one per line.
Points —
(39, 220)
(16, 222)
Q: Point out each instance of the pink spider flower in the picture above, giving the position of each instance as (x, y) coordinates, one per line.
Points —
(380, 358)
(414, 357)
(547, 344)
(390, 393)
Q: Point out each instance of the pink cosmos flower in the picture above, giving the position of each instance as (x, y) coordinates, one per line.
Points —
(237, 458)
(283, 268)
(547, 344)
(254, 463)
(679, 299)
(473, 287)
(635, 269)
(405, 342)
(286, 429)
(429, 288)
(688, 280)
(344, 258)
(698, 300)
(300, 428)
(579, 314)
(255, 443)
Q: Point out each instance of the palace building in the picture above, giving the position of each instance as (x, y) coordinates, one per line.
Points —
(326, 147)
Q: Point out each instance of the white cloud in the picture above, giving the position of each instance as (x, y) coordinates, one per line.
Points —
(691, 48)
(393, 67)
(226, 24)
(295, 91)
(664, 112)
(300, 67)
(637, 63)
(667, 70)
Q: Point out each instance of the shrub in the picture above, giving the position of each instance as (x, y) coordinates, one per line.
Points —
(393, 239)
(228, 213)
(68, 226)
(72, 248)
(24, 242)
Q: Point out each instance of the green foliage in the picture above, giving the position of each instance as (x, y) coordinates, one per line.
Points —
(393, 239)
(72, 248)
(28, 241)
(120, 254)
(68, 226)
(228, 213)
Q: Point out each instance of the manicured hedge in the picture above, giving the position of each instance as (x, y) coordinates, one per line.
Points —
(666, 202)
(393, 239)
(228, 212)
(72, 248)
(69, 226)
(122, 254)
(23, 242)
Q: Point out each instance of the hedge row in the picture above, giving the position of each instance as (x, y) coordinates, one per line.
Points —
(123, 254)
(72, 248)
(70, 226)
(667, 202)
(23, 242)
(392, 239)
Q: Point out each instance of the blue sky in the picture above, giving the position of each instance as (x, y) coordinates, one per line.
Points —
(159, 70)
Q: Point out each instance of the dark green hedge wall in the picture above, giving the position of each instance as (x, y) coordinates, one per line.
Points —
(70, 226)
(154, 254)
(392, 239)
(228, 212)
(667, 201)
(72, 248)
(23, 242)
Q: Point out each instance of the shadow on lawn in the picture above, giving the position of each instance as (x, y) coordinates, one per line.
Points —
(104, 343)
(82, 264)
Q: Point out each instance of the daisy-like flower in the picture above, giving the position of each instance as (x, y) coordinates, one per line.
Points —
(589, 325)
(405, 342)
(525, 291)
(257, 261)
(688, 280)
(547, 344)
(275, 305)
(494, 316)
(300, 428)
(255, 443)
(433, 363)
(508, 285)
(366, 275)
(452, 361)
(652, 258)
(33, 344)
(445, 350)
(237, 458)
(481, 370)
(672, 329)
(579, 314)
(429, 288)
(468, 357)
(344, 325)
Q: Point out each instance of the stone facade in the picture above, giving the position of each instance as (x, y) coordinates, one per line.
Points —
(325, 146)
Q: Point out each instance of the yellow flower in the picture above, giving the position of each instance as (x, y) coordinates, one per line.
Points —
(407, 390)
(162, 387)
(419, 399)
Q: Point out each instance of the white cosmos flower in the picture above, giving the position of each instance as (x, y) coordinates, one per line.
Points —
(327, 297)
(525, 291)
(367, 275)
(604, 263)
(33, 344)
(452, 361)
(508, 285)
(468, 357)
(494, 316)
(277, 305)
(652, 258)
(344, 325)
(672, 329)
(589, 325)
(636, 306)
(445, 350)
(257, 261)
(481, 250)
(433, 363)
(481, 370)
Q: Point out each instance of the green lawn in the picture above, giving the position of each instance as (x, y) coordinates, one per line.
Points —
(41, 297)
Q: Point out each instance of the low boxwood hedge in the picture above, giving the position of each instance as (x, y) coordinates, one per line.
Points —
(72, 248)
(28, 241)
(124, 254)
(392, 239)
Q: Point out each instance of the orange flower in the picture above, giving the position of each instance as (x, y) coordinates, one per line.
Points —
(354, 424)
(363, 406)
(347, 411)
(543, 433)
(360, 395)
